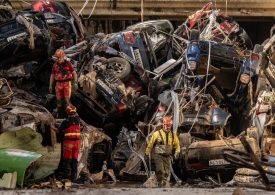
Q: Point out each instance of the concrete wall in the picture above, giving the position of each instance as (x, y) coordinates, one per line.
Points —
(165, 8)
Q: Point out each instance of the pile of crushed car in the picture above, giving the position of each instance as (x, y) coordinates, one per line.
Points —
(206, 74)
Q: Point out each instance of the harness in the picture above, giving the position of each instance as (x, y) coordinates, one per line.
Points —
(63, 70)
(166, 138)
(163, 148)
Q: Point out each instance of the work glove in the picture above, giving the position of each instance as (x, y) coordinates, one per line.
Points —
(176, 156)
(75, 85)
(50, 89)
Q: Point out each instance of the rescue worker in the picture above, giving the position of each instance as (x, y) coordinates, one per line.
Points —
(64, 74)
(70, 128)
(162, 143)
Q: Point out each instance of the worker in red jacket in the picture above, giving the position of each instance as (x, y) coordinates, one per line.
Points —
(71, 142)
(63, 72)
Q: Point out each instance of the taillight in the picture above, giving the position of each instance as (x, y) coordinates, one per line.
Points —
(121, 107)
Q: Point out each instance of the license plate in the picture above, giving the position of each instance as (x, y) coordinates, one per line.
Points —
(217, 162)
(104, 86)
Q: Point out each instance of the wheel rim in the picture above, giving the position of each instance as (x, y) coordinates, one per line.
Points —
(117, 67)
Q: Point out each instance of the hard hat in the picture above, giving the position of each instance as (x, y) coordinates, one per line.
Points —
(71, 109)
(167, 120)
(59, 53)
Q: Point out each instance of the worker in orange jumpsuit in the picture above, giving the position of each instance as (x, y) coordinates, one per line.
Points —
(70, 128)
(65, 75)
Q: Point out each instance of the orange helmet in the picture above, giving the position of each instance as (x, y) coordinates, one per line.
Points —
(59, 53)
(71, 109)
(167, 120)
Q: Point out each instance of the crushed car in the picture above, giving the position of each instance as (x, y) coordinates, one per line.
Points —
(24, 36)
(204, 73)
(65, 25)
(118, 68)
(31, 130)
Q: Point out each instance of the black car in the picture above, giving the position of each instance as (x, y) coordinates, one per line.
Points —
(21, 44)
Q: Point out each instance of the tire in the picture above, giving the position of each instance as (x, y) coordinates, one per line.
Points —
(120, 66)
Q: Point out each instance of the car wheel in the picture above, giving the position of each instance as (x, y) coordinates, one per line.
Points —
(120, 66)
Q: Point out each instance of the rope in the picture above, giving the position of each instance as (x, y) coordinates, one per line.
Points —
(29, 26)
(226, 4)
(91, 11)
(142, 10)
(206, 80)
(140, 156)
(84, 5)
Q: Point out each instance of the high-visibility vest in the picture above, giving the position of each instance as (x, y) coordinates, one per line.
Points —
(72, 132)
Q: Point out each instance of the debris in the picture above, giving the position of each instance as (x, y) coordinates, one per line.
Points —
(8, 180)
(151, 182)
(203, 74)
(20, 161)
(67, 185)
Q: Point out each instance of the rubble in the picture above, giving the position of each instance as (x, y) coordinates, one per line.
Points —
(8, 180)
(204, 73)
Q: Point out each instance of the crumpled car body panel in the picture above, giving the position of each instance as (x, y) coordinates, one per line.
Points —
(17, 160)
(29, 140)
(14, 38)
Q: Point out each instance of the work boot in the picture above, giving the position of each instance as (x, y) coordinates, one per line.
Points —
(74, 170)
(166, 184)
(67, 169)
(160, 184)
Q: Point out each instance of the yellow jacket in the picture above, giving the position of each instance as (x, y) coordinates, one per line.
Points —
(156, 136)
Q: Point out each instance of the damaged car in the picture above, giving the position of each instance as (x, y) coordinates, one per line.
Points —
(215, 25)
(26, 37)
(116, 75)
(31, 130)
(65, 25)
